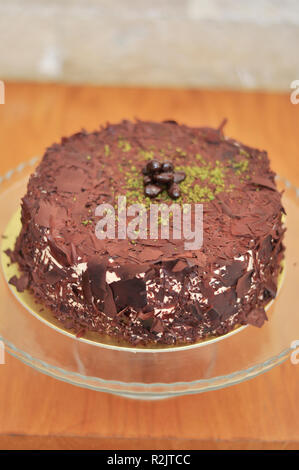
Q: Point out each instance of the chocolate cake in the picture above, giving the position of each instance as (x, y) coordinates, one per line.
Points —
(148, 291)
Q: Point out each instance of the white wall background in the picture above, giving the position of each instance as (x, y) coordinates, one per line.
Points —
(193, 43)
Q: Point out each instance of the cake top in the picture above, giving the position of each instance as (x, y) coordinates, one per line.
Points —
(233, 182)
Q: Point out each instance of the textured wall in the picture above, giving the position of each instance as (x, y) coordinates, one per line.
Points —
(210, 43)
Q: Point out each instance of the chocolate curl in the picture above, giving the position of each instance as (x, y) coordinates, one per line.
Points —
(222, 125)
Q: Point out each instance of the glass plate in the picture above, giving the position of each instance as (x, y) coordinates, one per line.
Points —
(151, 373)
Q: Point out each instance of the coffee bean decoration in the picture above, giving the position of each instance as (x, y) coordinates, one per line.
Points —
(179, 176)
(159, 176)
(164, 178)
(174, 191)
(167, 166)
(153, 166)
(152, 190)
(147, 180)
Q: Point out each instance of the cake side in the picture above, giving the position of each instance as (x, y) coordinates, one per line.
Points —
(152, 291)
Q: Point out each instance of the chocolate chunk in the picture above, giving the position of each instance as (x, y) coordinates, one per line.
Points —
(212, 315)
(270, 288)
(167, 167)
(225, 303)
(20, 283)
(62, 256)
(147, 323)
(152, 190)
(256, 317)
(194, 309)
(164, 178)
(128, 271)
(158, 326)
(179, 176)
(232, 273)
(212, 136)
(174, 191)
(97, 276)
(86, 287)
(170, 121)
(109, 303)
(12, 255)
(153, 166)
(243, 284)
(265, 182)
(265, 248)
(54, 275)
(147, 180)
(129, 293)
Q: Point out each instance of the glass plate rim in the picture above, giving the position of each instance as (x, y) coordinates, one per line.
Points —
(285, 353)
(48, 368)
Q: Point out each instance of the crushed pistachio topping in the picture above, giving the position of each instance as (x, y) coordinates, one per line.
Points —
(240, 167)
(201, 184)
(147, 154)
(124, 145)
(181, 152)
(200, 158)
(107, 150)
(243, 152)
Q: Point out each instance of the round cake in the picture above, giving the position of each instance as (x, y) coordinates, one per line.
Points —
(152, 290)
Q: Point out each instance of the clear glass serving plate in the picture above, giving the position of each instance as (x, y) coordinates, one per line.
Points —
(151, 373)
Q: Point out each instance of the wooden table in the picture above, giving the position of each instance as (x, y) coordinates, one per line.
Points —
(39, 412)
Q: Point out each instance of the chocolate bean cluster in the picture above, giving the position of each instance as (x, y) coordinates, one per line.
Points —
(159, 176)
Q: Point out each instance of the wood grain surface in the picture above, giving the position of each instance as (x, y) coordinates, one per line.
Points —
(39, 412)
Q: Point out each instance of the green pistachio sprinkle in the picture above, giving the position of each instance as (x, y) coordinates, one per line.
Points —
(201, 184)
(240, 167)
(146, 154)
(107, 150)
(181, 152)
(124, 145)
(243, 152)
(86, 222)
(200, 158)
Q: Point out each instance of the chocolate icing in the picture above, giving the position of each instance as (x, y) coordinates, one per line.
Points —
(151, 291)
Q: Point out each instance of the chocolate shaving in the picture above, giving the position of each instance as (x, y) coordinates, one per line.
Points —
(243, 284)
(21, 283)
(264, 182)
(130, 292)
(232, 273)
(257, 317)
